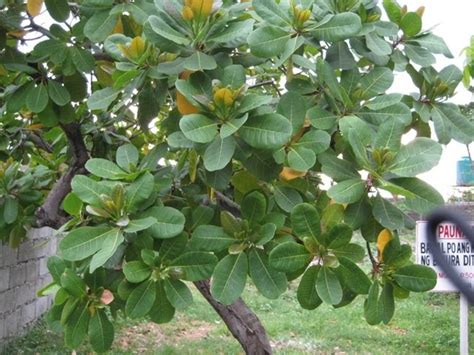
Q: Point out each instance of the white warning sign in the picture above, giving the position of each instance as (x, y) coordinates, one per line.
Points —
(458, 253)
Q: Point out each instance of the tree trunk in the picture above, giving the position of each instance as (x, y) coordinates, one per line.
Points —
(241, 321)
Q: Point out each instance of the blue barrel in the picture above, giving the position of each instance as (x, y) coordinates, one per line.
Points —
(464, 172)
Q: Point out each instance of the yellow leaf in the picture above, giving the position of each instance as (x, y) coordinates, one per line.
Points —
(201, 8)
(382, 240)
(184, 106)
(224, 96)
(33, 7)
(288, 174)
(137, 47)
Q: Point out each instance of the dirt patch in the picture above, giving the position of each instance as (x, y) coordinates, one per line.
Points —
(144, 337)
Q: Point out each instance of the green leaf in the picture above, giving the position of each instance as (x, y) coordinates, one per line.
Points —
(198, 128)
(73, 284)
(338, 236)
(387, 303)
(270, 11)
(233, 33)
(328, 286)
(359, 149)
(269, 131)
(195, 265)
(398, 111)
(137, 225)
(82, 242)
(393, 10)
(383, 101)
(305, 222)
(416, 157)
(348, 191)
(199, 62)
(293, 106)
(419, 55)
(136, 271)
(377, 44)
(162, 310)
(58, 9)
(301, 158)
(287, 198)
(101, 331)
(269, 282)
(178, 293)
(340, 56)
(387, 214)
(416, 278)
(254, 207)
(159, 26)
(56, 267)
(306, 294)
(355, 214)
(202, 215)
(338, 169)
(76, 326)
(127, 157)
(251, 101)
(104, 169)
(233, 76)
(82, 59)
(141, 300)
(109, 246)
(268, 41)
(339, 27)
(101, 99)
(37, 98)
(371, 305)
(173, 247)
(58, 93)
(72, 204)
(228, 280)
(459, 127)
(100, 25)
(351, 251)
(355, 279)
(231, 126)
(210, 238)
(169, 222)
(139, 190)
(377, 81)
(10, 210)
(289, 257)
(316, 140)
(219, 153)
(432, 43)
(410, 24)
(389, 135)
(424, 199)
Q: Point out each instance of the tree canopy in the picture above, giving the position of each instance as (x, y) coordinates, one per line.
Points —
(176, 141)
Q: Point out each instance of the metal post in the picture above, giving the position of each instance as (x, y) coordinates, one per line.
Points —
(463, 325)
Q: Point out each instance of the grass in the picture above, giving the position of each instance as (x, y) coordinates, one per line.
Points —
(423, 324)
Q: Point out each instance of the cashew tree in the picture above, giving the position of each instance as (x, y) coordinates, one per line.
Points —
(219, 143)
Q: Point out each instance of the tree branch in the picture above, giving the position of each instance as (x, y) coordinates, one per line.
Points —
(39, 142)
(240, 320)
(49, 213)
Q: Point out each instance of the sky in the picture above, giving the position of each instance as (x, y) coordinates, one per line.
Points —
(453, 21)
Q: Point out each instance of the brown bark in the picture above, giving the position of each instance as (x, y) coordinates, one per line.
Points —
(49, 214)
(241, 321)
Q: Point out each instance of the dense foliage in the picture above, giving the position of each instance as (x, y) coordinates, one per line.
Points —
(189, 140)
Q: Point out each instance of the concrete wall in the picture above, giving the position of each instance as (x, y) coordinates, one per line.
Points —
(23, 271)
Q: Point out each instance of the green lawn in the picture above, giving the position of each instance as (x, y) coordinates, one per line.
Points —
(423, 324)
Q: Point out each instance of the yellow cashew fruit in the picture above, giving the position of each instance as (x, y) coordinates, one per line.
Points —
(382, 240)
(288, 174)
